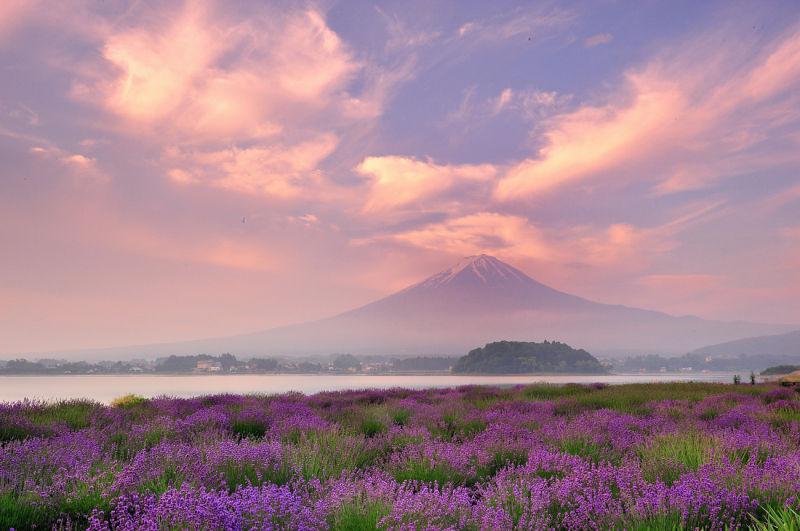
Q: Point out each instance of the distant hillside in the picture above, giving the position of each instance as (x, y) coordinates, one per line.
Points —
(515, 357)
(699, 362)
(784, 345)
(478, 300)
(780, 369)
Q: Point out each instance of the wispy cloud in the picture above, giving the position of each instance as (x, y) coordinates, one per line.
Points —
(702, 116)
(596, 40)
(83, 170)
(530, 24)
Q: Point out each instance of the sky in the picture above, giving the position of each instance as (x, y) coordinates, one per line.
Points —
(182, 170)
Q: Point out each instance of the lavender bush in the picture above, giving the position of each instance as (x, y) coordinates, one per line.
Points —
(633, 457)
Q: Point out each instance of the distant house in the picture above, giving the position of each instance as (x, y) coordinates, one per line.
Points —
(686, 369)
(211, 366)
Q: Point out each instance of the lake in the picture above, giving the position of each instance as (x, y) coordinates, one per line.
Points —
(105, 388)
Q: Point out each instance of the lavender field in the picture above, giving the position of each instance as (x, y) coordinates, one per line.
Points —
(634, 457)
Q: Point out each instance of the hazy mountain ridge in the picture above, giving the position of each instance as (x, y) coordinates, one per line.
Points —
(476, 301)
(776, 345)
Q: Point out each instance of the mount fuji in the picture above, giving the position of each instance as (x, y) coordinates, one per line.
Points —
(476, 301)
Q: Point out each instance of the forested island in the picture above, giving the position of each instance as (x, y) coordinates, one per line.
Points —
(517, 357)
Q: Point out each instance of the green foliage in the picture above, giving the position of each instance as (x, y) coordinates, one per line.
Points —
(633, 398)
(545, 391)
(400, 416)
(455, 424)
(371, 426)
(327, 454)
(23, 366)
(360, 514)
(249, 428)
(784, 519)
(687, 448)
(515, 357)
(346, 361)
(261, 364)
(780, 369)
(189, 363)
(75, 414)
(423, 363)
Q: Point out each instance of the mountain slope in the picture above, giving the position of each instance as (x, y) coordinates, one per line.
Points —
(777, 345)
(476, 301)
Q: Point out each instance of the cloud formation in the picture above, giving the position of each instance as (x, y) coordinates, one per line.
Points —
(198, 77)
(696, 116)
(275, 170)
(400, 182)
(344, 150)
(596, 40)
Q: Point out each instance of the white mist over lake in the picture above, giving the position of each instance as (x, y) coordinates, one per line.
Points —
(105, 388)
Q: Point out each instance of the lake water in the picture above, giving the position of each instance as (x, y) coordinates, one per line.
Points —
(106, 388)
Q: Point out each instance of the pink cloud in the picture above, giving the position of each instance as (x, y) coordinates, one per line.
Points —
(619, 249)
(474, 234)
(596, 40)
(401, 182)
(83, 170)
(531, 103)
(595, 139)
(680, 123)
(12, 12)
(195, 75)
(281, 171)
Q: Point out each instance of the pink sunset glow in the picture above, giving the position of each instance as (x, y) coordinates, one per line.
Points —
(200, 169)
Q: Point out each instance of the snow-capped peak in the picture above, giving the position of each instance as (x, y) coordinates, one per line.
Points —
(482, 268)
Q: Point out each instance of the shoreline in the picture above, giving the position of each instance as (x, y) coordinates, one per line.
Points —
(105, 388)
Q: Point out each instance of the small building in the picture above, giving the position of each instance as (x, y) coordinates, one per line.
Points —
(662, 369)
